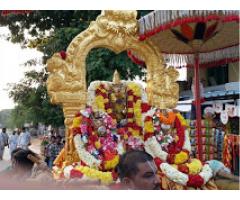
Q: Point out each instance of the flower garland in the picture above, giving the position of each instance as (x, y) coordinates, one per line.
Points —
(94, 151)
(196, 180)
(84, 155)
(167, 120)
(102, 100)
(181, 171)
(134, 111)
(85, 172)
(178, 153)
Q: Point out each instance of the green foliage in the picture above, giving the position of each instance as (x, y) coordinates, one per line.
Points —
(50, 32)
(5, 118)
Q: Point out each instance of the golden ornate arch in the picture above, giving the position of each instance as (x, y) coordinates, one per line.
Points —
(115, 30)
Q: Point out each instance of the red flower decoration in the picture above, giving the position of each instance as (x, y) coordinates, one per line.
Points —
(171, 158)
(158, 162)
(147, 135)
(129, 92)
(101, 86)
(135, 98)
(145, 107)
(130, 104)
(183, 168)
(114, 175)
(76, 130)
(107, 106)
(148, 118)
(195, 181)
(130, 115)
(78, 114)
(109, 155)
(93, 138)
(75, 174)
(104, 95)
(121, 131)
(83, 163)
(63, 55)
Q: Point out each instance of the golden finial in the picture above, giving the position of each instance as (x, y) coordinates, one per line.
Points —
(116, 78)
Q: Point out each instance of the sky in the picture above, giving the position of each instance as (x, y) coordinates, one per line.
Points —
(11, 69)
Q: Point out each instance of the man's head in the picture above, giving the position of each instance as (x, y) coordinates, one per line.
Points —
(137, 170)
(58, 139)
(4, 130)
(20, 160)
(53, 139)
(23, 129)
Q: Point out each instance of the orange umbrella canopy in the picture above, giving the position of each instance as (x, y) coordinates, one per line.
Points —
(181, 34)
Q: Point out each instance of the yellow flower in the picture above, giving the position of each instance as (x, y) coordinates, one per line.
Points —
(138, 112)
(135, 88)
(106, 100)
(109, 111)
(148, 126)
(130, 98)
(135, 133)
(195, 166)
(182, 120)
(130, 110)
(181, 158)
(130, 120)
(76, 122)
(111, 164)
(104, 177)
(100, 102)
(97, 144)
(125, 136)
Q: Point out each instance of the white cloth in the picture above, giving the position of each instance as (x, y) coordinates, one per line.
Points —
(2, 145)
(216, 166)
(13, 142)
(5, 138)
(24, 140)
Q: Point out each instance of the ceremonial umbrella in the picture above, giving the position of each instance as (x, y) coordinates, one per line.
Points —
(195, 38)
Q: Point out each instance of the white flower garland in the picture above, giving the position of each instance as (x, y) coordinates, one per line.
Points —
(187, 144)
(84, 155)
(154, 149)
(181, 178)
(173, 174)
(92, 91)
(206, 173)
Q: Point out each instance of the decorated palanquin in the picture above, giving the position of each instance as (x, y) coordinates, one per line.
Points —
(110, 118)
(118, 118)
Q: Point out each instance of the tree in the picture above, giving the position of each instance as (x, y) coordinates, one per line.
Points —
(50, 32)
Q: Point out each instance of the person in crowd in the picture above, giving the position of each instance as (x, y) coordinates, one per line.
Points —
(137, 170)
(59, 145)
(3, 142)
(29, 171)
(26, 168)
(2, 146)
(13, 141)
(50, 152)
(224, 179)
(24, 140)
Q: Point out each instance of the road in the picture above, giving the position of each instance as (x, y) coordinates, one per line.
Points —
(35, 147)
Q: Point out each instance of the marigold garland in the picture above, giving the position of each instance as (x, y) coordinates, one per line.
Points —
(79, 171)
(167, 120)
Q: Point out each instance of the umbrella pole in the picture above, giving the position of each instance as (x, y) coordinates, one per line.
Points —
(198, 106)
